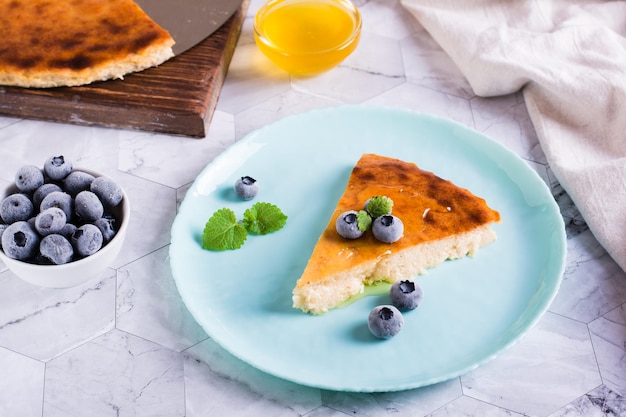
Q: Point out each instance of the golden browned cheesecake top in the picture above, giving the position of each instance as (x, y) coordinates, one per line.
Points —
(430, 207)
(59, 36)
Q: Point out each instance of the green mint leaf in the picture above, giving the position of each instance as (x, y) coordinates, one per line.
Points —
(363, 220)
(379, 206)
(263, 218)
(222, 232)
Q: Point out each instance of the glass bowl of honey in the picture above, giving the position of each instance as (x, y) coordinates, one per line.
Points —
(307, 37)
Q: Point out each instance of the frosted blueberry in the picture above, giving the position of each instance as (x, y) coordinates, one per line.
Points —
(107, 190)
(57, 167)
(51, 220)
(56, 249)
(246, 188)
(77, 181)
(16, 207)
(3, 227)
(106, 226)
(347, 225)
(59, 199)
(87, 240)
(68, 230)
(406, 295)
(41, 192)
(88, 206)
(20, 241)
(28, 178)
(387, 228)
(385, 321)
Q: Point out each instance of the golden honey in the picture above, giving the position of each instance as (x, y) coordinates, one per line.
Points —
(306, 37)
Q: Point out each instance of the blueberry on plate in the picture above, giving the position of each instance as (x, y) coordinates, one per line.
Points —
(20, 241)
(57, 167)
(406, 294)
(246, 188)
(28, 178)
(56, 249)
(385, 321)
(347, 225)
(388, 228)
(16, 207)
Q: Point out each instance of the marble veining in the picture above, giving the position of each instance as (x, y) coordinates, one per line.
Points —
(125, 345)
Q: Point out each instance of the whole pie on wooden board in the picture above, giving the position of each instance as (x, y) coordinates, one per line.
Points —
(441, 221)
(53, 43)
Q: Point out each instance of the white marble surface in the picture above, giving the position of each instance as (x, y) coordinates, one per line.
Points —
(125, 345)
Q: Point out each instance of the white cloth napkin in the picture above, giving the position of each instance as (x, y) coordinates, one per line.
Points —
(569, 59)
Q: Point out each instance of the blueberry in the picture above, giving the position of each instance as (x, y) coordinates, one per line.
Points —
(107, 190)
(16, 207)
(57, 167)
(59, 199)
(28, 178)
(20, 241)
(387, 228)
(406, 295)
(106, 226)
(41, 192)
(77, 181)
(88, 206)
(385, 321)
(87, 240)
(56, 248)
(51, 220)
(3, 227)
(347, 225)
(68, 230)
(246, 188)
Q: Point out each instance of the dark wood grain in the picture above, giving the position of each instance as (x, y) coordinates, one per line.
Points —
(178, 97)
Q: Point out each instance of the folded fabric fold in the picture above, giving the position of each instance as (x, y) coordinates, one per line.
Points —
(569, 59)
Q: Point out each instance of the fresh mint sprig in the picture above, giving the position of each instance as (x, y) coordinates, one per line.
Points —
(263, 218)
(223, 232)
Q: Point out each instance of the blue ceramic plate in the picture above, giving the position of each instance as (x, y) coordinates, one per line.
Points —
(473, 309)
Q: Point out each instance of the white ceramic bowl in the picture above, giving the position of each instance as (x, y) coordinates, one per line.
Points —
(77, 272)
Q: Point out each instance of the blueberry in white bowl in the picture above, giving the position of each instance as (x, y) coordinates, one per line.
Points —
(50, 244)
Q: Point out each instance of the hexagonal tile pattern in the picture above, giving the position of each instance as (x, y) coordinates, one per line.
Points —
(608, 334)
(22, 389)
(220, 384)
(116, 374)
(149, 306)
(376, 63)
(556, 350)
(43, 323)
(416, 402)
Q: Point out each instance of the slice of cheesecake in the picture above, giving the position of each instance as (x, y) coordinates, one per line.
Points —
(441, 221)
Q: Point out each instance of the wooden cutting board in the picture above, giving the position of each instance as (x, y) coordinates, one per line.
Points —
(178, 97)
